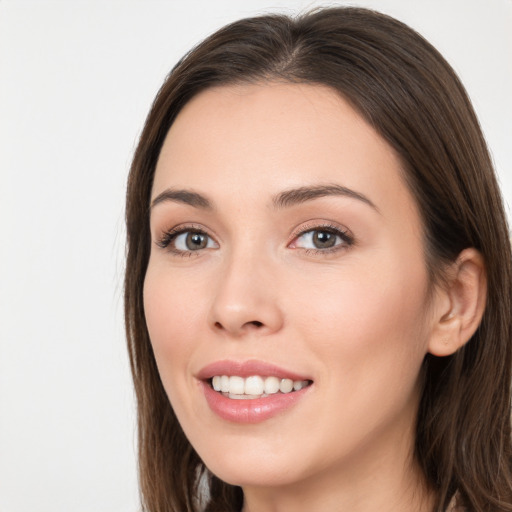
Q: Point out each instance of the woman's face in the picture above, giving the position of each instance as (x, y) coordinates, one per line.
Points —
(286, 251)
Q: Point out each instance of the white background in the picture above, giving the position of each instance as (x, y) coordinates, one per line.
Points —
(76, 81)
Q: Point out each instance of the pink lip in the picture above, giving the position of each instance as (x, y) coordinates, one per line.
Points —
(253, 410)
(246, 369)
(250, 411)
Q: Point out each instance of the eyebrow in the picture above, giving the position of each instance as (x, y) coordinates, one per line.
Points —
(183, 196)
(284, 199)
(300, 195)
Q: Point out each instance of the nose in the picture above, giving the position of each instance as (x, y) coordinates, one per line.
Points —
(246, 299)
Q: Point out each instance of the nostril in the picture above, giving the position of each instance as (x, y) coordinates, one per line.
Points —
(237, 328)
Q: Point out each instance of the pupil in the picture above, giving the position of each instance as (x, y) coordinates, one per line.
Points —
(196, 241)
(323, 239)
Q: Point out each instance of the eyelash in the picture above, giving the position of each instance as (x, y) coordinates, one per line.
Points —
(168, 238)
(347, 239)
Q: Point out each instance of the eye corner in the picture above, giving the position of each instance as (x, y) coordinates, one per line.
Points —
(321, 238)
(186, 240)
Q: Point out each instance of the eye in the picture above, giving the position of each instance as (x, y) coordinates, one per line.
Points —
(183, 241)
(322, 239)
(192, 241)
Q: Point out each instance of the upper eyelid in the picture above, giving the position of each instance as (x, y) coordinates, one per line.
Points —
(179, 229)
(347, 238)
(183, 228)
(319, 225)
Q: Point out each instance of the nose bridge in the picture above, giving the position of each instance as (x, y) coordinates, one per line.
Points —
(245, 300)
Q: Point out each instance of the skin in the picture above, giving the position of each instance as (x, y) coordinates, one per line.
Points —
(358, 320)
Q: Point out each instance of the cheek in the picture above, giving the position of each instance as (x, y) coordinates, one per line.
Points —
(174, 314)
(173, 310)
(367, 322)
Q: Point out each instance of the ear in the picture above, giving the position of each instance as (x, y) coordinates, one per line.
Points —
(459, 304)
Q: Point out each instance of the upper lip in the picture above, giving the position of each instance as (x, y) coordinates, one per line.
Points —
(247, 369)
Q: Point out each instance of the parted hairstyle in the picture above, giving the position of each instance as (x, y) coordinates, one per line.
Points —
(409, 94)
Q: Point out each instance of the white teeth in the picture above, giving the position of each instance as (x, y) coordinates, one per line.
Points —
(286, 385)
(255, 386)
(271, 385)
(224, 384)
(236, 385)
(242, 397)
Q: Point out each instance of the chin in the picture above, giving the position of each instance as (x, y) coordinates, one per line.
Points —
(254, 466)
(254, 475)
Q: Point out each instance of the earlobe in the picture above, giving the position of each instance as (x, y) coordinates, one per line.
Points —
(460, 304)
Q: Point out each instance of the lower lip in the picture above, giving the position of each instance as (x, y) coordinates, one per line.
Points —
(252, 410)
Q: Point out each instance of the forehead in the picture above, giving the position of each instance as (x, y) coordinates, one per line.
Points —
(258, 139)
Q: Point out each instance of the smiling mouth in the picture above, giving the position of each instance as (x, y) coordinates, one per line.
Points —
(255, 386)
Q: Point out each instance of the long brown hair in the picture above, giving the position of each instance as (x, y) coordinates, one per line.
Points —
(405, 89)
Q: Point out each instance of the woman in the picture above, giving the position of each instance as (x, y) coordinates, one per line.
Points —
(318, 281)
